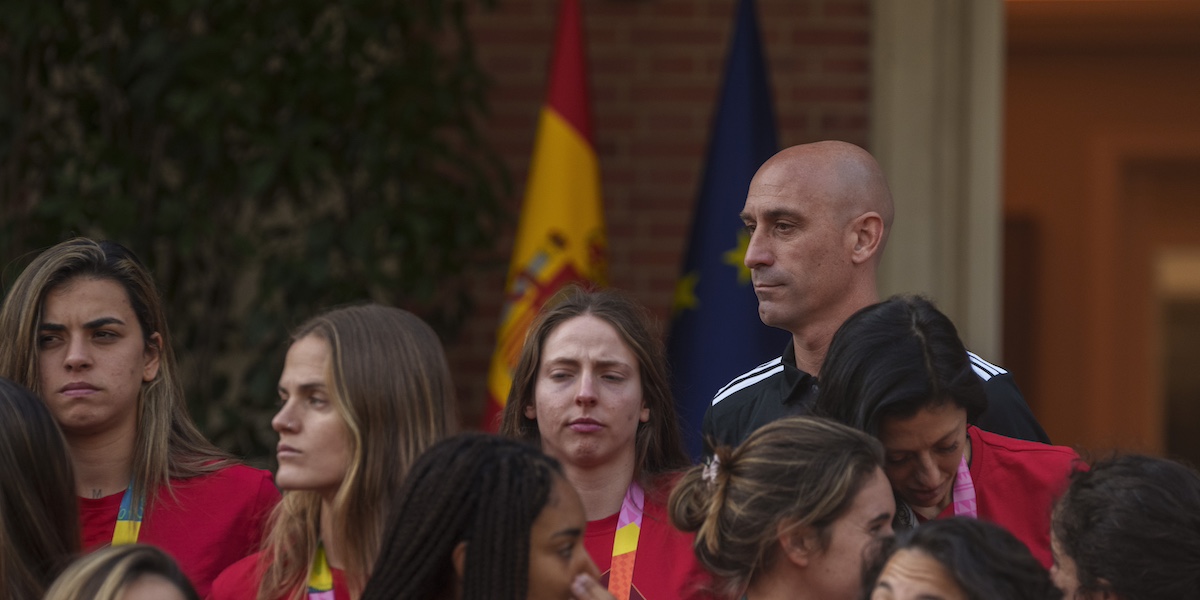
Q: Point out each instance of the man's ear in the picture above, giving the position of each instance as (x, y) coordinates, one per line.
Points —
(459, 558)
(866, 233)
(797, 542)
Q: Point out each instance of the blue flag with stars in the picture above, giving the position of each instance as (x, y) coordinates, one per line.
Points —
(716, 334)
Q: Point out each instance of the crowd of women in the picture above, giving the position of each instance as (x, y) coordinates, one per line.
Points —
(108, 490)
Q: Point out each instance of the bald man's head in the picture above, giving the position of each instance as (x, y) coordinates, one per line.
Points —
(839, 173)
(819, 215)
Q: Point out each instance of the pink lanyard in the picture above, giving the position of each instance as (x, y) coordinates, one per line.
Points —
(964, 492)
(625, 542)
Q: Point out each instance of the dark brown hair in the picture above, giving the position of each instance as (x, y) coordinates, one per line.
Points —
(39, 518)
(482, 489)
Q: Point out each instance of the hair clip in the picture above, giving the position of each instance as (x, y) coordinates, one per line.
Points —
(711, 466)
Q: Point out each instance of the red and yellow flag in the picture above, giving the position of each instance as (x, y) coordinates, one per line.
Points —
(560, 238)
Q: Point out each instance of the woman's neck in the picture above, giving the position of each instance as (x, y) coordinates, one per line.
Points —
(781, 581)
(331, 541)
(602, 488)
(103, 462)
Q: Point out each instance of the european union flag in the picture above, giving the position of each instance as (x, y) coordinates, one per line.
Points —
(715, 331)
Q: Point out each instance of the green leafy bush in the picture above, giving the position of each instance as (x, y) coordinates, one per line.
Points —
(266, 158)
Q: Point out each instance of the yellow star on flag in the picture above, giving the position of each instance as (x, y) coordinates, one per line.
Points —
(685, 293)
(736, 257)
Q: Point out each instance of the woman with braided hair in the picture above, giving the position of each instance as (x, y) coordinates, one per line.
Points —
(790, 514)
(591, 389)
(484, 517)
(364, 390)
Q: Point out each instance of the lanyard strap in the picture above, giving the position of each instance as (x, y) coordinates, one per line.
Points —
(129, 521)
(320, 581)
(962, 496)
(625, 543)
(964, 492)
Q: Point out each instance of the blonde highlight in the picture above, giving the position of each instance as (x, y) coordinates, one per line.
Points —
(392, 383)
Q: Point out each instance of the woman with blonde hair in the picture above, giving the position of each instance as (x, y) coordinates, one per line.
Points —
(364, 390)
(39, 526)
(85, 331)
(790, 514)
(129, 572)
(591, 390)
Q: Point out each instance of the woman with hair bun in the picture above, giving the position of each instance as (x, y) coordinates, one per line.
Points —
(789, 514)
(39, 522)
(591, 390)
(1129, 529)
(84, 329)
(364, 390)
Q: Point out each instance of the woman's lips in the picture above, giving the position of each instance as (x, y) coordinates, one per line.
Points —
(77, 388)
(585, 425)
(286, 451)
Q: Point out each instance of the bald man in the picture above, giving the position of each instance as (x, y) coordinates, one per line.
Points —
(819, 216)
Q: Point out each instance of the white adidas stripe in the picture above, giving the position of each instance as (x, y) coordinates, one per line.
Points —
(983, 368)
(751, 373)
(735, 387)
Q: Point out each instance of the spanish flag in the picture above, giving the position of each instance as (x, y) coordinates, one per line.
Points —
(560, 238)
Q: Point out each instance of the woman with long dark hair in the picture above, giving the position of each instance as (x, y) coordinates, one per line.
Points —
(898, 371)
(39, 523)
(85, 330)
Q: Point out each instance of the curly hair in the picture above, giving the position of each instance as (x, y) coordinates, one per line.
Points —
(1131, 524)
(984, 559)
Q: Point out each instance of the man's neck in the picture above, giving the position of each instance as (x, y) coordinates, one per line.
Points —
(103, 463)
(601, 488)
(811, 340)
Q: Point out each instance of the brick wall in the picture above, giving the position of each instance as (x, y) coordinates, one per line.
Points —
(656, 67)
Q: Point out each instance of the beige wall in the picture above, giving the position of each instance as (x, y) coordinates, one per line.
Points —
(936, 117)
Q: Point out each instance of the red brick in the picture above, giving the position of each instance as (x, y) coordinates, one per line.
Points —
(656, 67)
(842, 8)
(829, 94)
(845, 65)
(830, 37)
